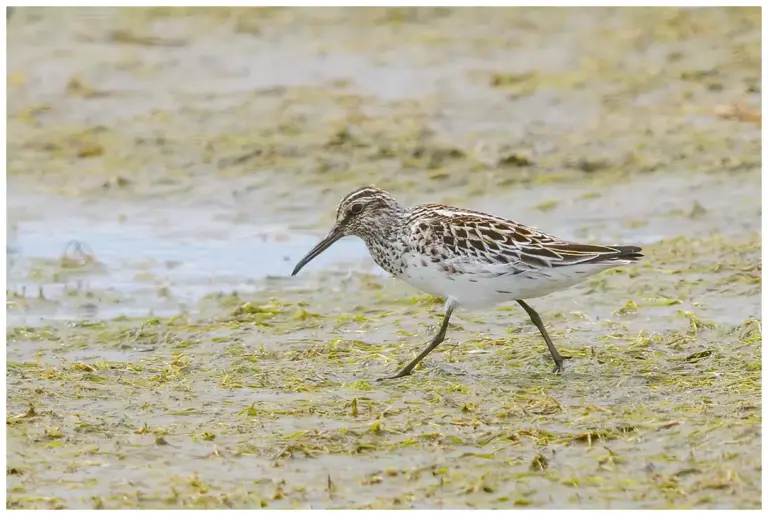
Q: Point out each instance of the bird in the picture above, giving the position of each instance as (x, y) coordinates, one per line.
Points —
(471, 259)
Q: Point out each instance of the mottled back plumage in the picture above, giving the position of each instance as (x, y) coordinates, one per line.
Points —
(448, 233)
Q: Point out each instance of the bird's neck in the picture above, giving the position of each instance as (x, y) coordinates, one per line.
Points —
(388, 240)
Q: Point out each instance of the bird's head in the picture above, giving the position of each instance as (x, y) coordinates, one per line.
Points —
(361, 213)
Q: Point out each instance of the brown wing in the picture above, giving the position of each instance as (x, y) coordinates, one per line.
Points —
(494, 240)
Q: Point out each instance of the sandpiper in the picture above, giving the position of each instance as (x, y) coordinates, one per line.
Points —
(471, 259)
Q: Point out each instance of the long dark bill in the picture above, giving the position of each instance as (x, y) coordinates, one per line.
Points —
(335, 234)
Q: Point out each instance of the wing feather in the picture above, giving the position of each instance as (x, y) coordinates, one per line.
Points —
(501, 246)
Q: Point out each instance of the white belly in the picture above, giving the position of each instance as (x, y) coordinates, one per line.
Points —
(480, 286)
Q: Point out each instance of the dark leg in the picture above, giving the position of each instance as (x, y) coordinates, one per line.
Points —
(556, 356)
(436, 340)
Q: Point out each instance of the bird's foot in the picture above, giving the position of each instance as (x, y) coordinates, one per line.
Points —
(559, 364)
(401, 374)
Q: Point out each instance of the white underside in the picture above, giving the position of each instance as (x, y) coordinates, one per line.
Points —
(479, 286)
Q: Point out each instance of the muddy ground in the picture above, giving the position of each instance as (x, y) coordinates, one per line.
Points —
(167, 167)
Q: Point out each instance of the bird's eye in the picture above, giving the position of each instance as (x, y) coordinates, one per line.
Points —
(356, 208)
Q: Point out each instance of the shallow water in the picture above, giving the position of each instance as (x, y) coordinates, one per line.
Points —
(186, 253)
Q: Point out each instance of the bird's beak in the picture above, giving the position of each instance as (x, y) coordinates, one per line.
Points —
(335, 234)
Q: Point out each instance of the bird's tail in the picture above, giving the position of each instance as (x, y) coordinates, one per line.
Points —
(628, 252)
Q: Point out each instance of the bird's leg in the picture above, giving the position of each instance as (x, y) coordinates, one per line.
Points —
(450, 304)
(556, 356)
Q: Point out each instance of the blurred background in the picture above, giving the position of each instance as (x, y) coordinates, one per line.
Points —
(167, 163)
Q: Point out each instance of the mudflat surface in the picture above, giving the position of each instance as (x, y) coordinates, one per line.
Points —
(167, 167)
